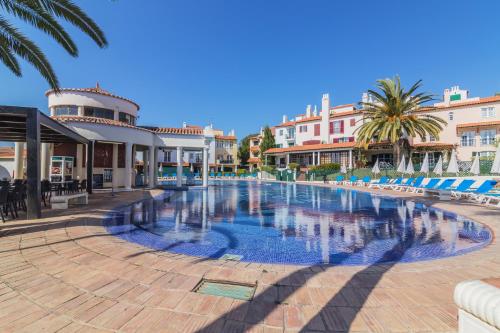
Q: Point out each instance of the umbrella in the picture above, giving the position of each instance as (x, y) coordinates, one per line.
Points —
(438, 169)
(402, 213)
(495, 168)
(402, 165)
(453, 165)
(409, 169)
(376, 203)
(425, 164)
(474, 169)
(343, 169)
(375, 168)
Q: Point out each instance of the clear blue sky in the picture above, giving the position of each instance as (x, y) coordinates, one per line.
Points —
(243, 64)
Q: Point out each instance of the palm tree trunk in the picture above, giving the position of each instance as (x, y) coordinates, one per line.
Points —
(396, 154)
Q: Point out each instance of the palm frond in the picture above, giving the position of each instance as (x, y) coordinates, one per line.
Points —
(9, 59)
(70, 12)
(26, 49)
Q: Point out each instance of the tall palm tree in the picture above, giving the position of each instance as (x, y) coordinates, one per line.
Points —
(43, 15)
(392, 115)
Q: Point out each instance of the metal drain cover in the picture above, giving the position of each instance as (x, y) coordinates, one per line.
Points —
(233, 257)
(226, 289)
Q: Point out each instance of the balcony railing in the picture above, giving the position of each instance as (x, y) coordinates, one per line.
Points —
(468, 142)
(488, 141)
(226, 161)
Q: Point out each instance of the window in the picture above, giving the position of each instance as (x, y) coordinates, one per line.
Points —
(317, 129)
(468, 139)
(291, 133)
(488, 137)
(66, 110)
(91, 111)
(353, 122)
(126, 118)
(303, 128)
(108, 175)
(337, 127)
(450, 115)
(431, 138)
(488, 112)
(281, 132)
(168, 156)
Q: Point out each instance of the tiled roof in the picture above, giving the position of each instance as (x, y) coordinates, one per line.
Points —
(341, 106)
(179, 130)
(254, 160)
(313, 118)
(95, 120)
(432, 145)
(320, 146)
(482, 100)
(480, 124)
(225, 137)
(288, 123)
(96, 90)
(346, 113)
(6, 152)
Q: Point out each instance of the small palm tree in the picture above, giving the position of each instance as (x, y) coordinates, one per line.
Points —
(42, 14)
(392, 116)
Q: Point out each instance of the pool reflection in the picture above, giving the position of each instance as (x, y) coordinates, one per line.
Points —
(290, 223)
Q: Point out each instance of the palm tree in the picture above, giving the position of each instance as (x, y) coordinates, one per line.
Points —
(392, 115)
(42, 14)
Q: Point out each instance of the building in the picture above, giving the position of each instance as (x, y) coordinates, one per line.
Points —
(329, 136)
(125, 155)
(254, 161)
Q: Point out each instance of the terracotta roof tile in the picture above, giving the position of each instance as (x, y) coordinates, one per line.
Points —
(179, 130)
(320, 146)
(313, 118)
(341, 106)
(482, 100)
(96, 90)
(288, 123)
(479, 124)
(95, 120)
(432, 144)
(226, 137)
(254, 160)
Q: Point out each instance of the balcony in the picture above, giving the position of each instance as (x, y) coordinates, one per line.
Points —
(226, 161)
(488, 141)
(468, 142)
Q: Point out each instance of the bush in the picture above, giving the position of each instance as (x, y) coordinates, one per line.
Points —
(241, 172)
(326, 169)
(294, 166)
(268, 168)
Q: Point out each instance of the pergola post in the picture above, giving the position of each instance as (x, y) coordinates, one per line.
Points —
(34, 209)
(205, 167)
(180, 161)
(90, 166)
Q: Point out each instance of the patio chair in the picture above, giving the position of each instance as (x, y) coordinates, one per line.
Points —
(430, 184)
(83, 185)
(5, 204)
(46, 192)
(382, 181)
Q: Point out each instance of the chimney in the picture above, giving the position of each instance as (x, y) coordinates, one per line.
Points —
(262, 131)
(184, 124)
(308, 111)
(231, 133)
(315, 112)
(325, 119)
(285, 118)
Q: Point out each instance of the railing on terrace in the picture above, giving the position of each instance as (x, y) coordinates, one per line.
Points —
(488, 141)
(468, 142)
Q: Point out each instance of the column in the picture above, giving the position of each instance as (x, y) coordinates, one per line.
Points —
(155, 166)
(133, 171)
(18, 160)
(90, 166)
(145, 170)
(79, 161)
(128, 166)
(115, 167)
(350, 158)
(45, 161)
(179, 167)
(205, 167)
(287, 159)
(34, 210)
(152, 167)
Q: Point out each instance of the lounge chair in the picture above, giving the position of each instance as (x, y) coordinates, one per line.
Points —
(462, 188)
(480, 193)
(396, 181)
(351, 181)
(430, 184)
(416, 183)
(338, 180)
(491, 197)
(365, 181)
(382, 181)
(443, 191)
(408, 182)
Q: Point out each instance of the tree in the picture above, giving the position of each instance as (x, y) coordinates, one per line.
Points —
(42, 14)
(392, 116)
(244, 149)
(267, 143)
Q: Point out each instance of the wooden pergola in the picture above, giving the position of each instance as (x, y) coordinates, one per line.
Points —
(23, 124)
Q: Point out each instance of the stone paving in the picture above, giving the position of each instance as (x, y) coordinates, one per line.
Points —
(64, 273)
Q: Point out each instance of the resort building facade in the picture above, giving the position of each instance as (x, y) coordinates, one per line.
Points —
(254, 161)
(329, 136)
(125, 155)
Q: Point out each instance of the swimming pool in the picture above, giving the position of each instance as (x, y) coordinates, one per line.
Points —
(295, 224)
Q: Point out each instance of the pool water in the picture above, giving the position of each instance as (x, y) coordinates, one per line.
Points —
(295, 224)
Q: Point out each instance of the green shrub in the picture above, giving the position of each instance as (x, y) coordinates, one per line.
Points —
(294, 166)
(241, 172)
(268, 168)
(326, 169)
